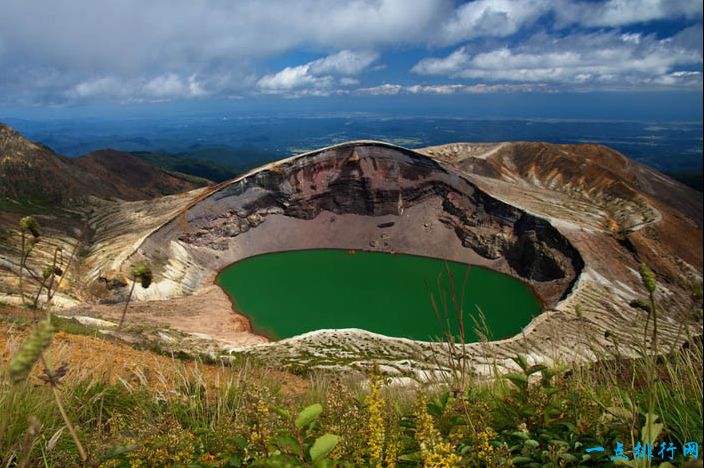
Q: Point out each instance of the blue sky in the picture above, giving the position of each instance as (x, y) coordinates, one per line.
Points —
(88, 54)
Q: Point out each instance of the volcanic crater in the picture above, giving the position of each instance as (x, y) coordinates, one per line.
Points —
(362, 195)
(572, 221)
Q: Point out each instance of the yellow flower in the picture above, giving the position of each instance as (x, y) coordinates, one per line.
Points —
(484, 448)
(392, 452)
(435, 452)
(375, 421)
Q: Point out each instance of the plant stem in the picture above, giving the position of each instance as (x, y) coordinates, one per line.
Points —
(67, 421)
(112, 361)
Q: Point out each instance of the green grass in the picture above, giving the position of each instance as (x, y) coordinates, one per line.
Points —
(199, 414)
(552, 421)
(73, 327)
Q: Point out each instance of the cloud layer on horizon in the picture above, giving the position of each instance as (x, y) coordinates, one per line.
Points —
(131, 51)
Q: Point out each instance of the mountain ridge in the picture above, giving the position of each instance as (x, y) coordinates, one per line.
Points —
(35, 172)
(573, 221)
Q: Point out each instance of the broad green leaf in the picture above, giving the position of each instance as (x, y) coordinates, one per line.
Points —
(283, 413)
(287, 443)
(517, 379)
(308, 415)
(535, 368)
(240, 441)
(531, 443)
(322, 447)
(521, 362)
(652, 428)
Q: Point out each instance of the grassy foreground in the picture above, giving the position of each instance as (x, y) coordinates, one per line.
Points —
(71, 398)
(158, 411)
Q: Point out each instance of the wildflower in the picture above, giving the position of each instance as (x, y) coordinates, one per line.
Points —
(648, 277)
(30, 351)
(392, 452)
(53, 377)
(435, 452)
(30, 224)
(485, 450)
(345, 419)
(375, 426)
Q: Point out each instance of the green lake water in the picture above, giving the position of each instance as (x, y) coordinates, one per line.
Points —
(288, 293)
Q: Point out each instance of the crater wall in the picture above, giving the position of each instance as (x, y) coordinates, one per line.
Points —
(361, 195)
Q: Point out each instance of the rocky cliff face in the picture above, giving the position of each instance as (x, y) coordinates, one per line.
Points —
(573, 221)
(326, 198)
(575, 229)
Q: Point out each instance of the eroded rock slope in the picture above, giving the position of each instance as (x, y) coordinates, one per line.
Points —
(359, 196)
(573, 221)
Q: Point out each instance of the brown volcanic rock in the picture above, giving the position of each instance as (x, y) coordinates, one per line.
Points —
(31, 171)
(648, 216)
(595, 173)
(339, 198)
(127, 177)
(574, 221)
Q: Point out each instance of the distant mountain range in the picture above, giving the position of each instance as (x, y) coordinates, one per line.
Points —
(33, 172)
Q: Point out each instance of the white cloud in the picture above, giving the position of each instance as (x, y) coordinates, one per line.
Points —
(449, 65)
(435, 89)
(171, 85)
(491, 18)
(446, 89)
(681, 78)
(288, 79)
(318, 75)
(345, 62)
(172, 49)
(132, 41)
(503, 18)
(623, 12)
(602, 58)
(346, 81)
(158, 88)
(383, 89)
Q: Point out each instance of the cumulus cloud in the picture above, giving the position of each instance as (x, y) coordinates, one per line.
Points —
(446, 89)
(319, 75)
(133, 42)
(158, 88)
(55, 51)
(601, 58)
(491, 18)
(502, 18)
(625, 12)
